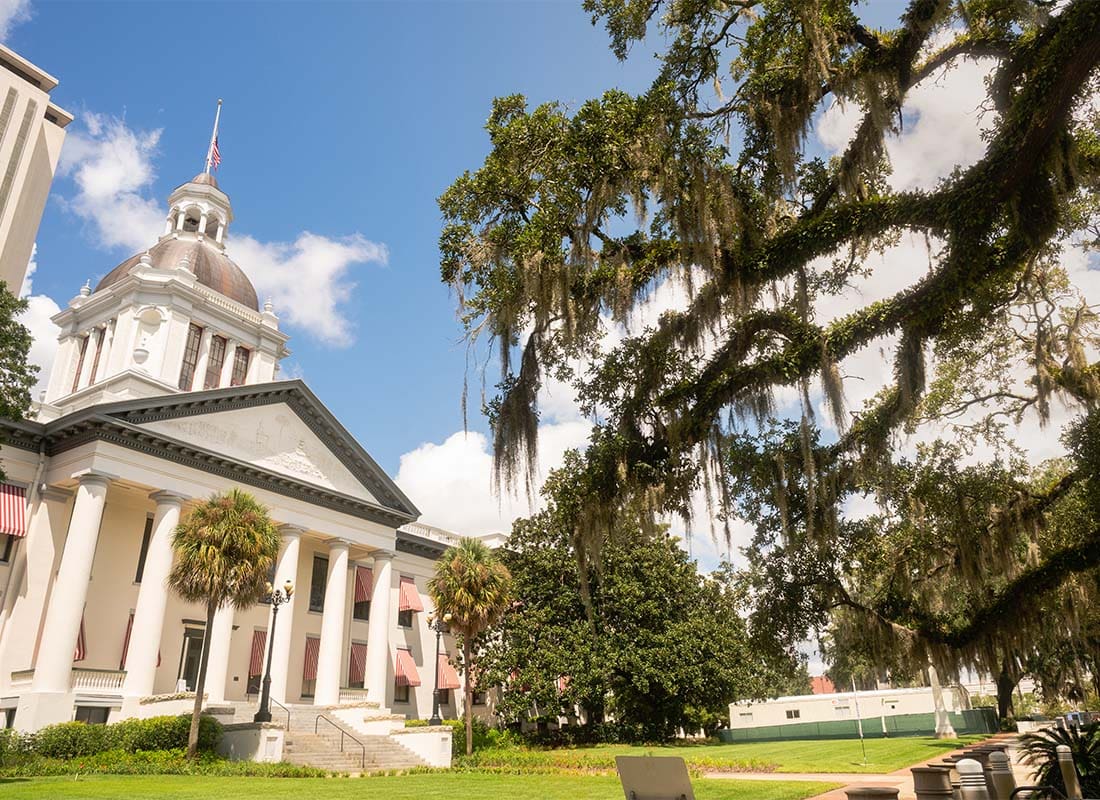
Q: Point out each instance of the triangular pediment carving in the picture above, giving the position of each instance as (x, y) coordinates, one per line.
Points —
(272, 437)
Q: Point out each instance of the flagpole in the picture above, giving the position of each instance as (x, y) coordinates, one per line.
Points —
(213, 137)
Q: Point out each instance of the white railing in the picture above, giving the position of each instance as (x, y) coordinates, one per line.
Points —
(353, 695)
(22, 677)
(98, 678)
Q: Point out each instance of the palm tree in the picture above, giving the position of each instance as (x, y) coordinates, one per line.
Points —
(475, 589)
(1041, 753)
(224, 552)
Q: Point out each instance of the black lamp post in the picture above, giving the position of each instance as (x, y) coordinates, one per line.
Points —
(439, 625)
(278, 597)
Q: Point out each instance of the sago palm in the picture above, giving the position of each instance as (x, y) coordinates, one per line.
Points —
(475, 589)
(1041, 753)
(224, 550)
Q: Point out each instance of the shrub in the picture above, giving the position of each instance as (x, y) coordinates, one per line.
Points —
(1040, 751)
(70, 740)
(154, 762)
(484, 736)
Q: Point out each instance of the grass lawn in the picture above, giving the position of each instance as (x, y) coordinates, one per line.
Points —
(433, 786)
(829, 755)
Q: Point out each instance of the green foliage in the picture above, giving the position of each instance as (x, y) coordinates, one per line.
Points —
(153, 762)
(578, 214)
(69, 740)
(484, 736)
(638, 632)
(471, 589)
(1084, 744)
(17, 377)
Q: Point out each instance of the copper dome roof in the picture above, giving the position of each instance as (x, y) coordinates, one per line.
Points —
(211, 266)
(205, 178)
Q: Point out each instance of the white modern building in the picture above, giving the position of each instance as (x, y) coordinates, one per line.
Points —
(32, 130)
(164, 392)
(866, 705)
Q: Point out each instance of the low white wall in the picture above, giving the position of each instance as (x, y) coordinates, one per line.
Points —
(253, 741)
(433, 744)
(369, 722)
(170, 706)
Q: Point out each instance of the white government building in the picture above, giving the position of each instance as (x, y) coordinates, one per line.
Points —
(164, 392)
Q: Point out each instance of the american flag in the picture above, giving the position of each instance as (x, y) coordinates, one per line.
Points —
(215, 156)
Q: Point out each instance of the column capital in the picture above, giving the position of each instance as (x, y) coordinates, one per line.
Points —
(288, 531)
(338, 544)
(94, 477)
(164, 496)
(382, 555)
(55, 494)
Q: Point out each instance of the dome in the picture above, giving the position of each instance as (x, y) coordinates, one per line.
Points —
(211, 266)
(206, 179)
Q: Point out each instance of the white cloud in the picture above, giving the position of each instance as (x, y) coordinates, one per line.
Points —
(36, 319)
(111, 166)
(451, 482)
(308, 279)
(12, 12)
(112, 169)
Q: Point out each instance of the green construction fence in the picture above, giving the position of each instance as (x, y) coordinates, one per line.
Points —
(977, 720)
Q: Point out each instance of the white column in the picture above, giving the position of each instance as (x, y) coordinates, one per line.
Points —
(285, 570)
(53, 667)
(221, 232)
(167, 225)
(378, 632)
(217, 668)
(105, 353)
(331, 653)
(89, 359)
(204, 358)
(141, 656)
(202, 224)
(227, 363)
(180, 219)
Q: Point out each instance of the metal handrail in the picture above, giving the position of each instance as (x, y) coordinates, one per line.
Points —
(343, 733)
(284, 708)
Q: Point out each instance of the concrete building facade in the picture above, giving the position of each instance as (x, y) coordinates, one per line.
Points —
(32, 130)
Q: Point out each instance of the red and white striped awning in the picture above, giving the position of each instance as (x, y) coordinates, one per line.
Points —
(256, 658)
(13, 510)
(448, 676)
(364, 583)
(81, 649)
(313, 650)
(357, 668)
(408, 597)
(126, 643)
(405, 669)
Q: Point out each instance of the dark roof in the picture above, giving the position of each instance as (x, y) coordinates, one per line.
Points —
(211, 266)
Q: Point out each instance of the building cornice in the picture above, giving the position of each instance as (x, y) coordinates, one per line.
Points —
(419, 546)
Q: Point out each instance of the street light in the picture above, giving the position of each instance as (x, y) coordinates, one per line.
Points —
(278, 597)
(437, 624)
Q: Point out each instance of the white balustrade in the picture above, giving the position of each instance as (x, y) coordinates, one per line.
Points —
(98, 678)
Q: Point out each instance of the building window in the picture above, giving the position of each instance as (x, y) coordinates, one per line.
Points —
(318, 583)
(92, 715)
(241, 357)
(6, 543)
(444, 697)
(145, 537)
(9, 718)
(190, 357)
(98, 352)
(744, 717)
(478, 698)
(405, 618)
(400, 693)
(214, 363)
(80, 362)
(843, 712)
(361, 611)
(793, 713)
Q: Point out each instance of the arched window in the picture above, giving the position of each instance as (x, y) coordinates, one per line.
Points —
(191, 222)
(212, 223)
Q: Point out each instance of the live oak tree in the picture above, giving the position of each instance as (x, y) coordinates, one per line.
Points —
(577, 215)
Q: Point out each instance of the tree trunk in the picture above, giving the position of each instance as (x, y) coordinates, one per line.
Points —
(200, 684)
(468, 694)
(1005, 684)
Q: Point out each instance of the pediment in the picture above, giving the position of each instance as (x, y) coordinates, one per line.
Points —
(272, 437)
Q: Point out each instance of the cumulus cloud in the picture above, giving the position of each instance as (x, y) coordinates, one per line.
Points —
(36, 319)
(12, 12)
(282, 270)
(112, 168)
(451, 482)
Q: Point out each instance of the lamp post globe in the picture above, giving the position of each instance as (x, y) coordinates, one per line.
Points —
(278, 597)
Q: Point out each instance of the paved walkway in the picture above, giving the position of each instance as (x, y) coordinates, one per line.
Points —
(901, 778)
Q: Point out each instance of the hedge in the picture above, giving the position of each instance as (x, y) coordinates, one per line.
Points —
(152, 762)
(70, 740)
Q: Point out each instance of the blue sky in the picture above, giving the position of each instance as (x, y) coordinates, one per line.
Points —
(342, 124)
